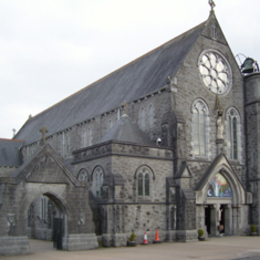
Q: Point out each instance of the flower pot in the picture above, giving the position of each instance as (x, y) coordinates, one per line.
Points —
(131, 243)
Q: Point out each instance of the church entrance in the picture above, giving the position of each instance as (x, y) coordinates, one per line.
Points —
(217, 212)
(222, 202)
(217, 219)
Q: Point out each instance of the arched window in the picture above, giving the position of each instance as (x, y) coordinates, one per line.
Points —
(84, 138)
(144, 182)
(233, 122)
(67, 145)
(110, 124)
(151, 115)
(97, 182)
(89, 136)
(142, 117)
(83, 176)
(63, 144)
(199, 119)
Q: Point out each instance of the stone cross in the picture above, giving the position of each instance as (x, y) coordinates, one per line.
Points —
(212, 4)
(124, 105)
(43, 130)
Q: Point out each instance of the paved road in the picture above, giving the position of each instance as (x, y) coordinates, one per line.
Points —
(213, 249)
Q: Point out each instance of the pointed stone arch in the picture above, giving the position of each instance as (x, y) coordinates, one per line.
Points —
(222, 214)
(45, 174)
(221, 165)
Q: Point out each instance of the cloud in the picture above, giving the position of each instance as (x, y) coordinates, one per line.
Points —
(51, 49)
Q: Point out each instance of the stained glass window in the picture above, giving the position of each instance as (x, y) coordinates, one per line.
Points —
(219, 187)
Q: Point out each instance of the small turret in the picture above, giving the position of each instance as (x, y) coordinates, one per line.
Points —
(249, 66)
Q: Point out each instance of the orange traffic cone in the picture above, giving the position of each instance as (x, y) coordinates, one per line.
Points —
(145, 239)
(157, 240)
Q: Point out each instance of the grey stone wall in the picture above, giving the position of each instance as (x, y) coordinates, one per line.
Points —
(252, 109)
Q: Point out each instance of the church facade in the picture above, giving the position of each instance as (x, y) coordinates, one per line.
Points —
(166, 142)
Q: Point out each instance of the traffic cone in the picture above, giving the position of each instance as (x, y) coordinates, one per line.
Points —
(157, 240)
(145, 239)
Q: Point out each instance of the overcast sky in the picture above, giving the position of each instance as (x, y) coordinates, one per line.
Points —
(50, 49)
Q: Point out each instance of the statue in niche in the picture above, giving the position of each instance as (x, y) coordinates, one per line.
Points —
(220, 118)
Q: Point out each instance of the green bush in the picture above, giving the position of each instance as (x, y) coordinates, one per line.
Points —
(132, 237)
(200, 232)
(253, 228)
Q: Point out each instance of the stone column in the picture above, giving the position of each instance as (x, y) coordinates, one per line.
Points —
(214, 220)
(228, 219)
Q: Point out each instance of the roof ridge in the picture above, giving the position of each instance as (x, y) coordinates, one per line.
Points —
(130, 81)
(118, 69)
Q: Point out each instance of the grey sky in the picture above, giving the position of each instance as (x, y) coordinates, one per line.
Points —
(53, 48)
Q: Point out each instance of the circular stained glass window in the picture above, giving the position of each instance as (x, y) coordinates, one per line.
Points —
(215, 72)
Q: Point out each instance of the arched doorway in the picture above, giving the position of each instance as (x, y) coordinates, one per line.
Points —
(221, 200)
(217, 211)
(45, 175)
(47, 219)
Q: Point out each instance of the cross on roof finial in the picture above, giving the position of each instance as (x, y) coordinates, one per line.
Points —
(124, 105)
(212, 5)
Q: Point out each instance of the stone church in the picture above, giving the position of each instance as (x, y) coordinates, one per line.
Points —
(168, 141)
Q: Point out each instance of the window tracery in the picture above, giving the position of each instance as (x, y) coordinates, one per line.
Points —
(83, 175)
(199, 116)
(144, 183)
(233, 122)
(97, 182)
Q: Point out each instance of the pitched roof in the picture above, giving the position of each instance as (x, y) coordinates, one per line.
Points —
(9, 152)
(124, 130)
(141, 77)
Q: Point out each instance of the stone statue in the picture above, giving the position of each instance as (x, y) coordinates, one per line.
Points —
(43, 131)
(124, 106)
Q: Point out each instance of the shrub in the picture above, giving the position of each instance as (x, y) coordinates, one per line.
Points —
(253, 228)
(200, 232)
(132, 237)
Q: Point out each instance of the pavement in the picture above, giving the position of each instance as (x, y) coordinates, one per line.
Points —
(214, 248)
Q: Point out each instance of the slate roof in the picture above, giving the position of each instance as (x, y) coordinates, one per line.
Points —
(9, 152)
(141, 77)
(128, 132)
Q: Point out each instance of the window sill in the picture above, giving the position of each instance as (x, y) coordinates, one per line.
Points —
(141, 199)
